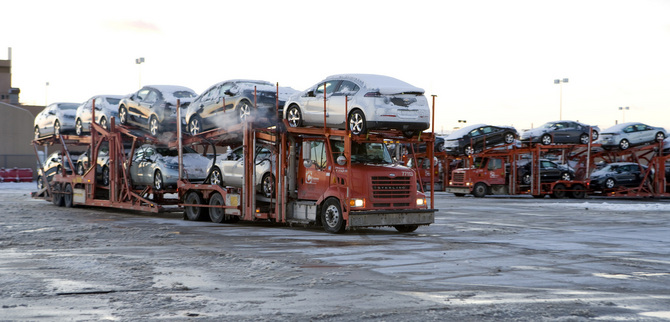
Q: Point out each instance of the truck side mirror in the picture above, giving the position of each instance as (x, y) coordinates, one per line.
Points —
(341, 160)
(306, 154)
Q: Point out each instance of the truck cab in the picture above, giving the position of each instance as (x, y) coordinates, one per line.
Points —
(488, 174)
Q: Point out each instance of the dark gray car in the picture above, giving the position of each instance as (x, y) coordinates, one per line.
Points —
(617, 174)
(561, 132)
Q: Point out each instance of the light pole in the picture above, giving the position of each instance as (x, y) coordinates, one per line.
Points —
(139, 61)
(623, 113)
(560, 83)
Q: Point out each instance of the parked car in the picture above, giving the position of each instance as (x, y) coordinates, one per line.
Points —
(158, 166)
(102, 165)
(549, 171)
(618, 174)
(374, 102)
(54, 164)
(229, 170)
(561, 132)
(625, 135)
(154, 107)
(106, 107)
(473, 138)
(207, 111)
(55, 119)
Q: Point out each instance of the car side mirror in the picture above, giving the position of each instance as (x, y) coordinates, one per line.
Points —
(310, 94)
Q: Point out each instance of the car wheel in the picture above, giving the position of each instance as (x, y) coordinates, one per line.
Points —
(610, 183)
(37, 133)
(624, 144)
(584, 138)
(244, 110)
(78, 127)
(103, 123)
(331, 216)
(480, 190)
(293, 116)
(546, 139)
(123, 115)
(406, 228)
(80, 169)
(594, 135)
(57, 128)
(216, 178)
(660, 136)
(509, 138)
(559, 191)
(468, 150)
(526, 179)
(566, 176)
(356, 122)
(195, 126)
(154, 126)
(158, 180)
(216, 215)
(193, 213)
(268, 185)
(105, 176)
(40, 183)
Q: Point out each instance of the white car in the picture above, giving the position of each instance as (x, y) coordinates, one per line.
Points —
(229, 170)
(625, 135)
(55, 119)
(106, 107)
(374, 102)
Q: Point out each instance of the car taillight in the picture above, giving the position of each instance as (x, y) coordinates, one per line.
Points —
(373, 94)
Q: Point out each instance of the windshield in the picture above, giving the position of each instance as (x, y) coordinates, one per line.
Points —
(547, 125)
(364, 152)
(168, 152)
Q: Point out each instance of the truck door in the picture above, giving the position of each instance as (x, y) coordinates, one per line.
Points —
(314, 174)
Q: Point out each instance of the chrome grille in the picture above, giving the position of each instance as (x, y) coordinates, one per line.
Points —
(387, 187)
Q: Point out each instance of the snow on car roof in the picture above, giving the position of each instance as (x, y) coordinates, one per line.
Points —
(619, 127)
(385, 84)
(171, 88)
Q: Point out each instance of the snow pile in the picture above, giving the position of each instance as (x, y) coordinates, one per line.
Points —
(644, 207)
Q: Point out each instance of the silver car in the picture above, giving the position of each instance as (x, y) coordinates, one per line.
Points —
(159, 167)
(374, 102)
(106, 107)
(154, 107)
(629, 134)
(55, 119)
(229, 170)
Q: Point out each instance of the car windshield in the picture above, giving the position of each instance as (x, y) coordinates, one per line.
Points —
(112, 101)
(364, 152)
(168, 152)
(547, 125)
(68, 106)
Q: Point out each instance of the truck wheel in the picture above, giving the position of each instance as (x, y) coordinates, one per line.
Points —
(193, 213)
(578, 191)
(406, 228)
(67, 196)
(216, 214)
(559, 191)
(459, 194)
(331, 216)
(480, 190)
(57, 197)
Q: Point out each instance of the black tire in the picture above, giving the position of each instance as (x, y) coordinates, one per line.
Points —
(459, 194)
(78, 127)
(356, 122)
(244, 109)
(268, 185)
(559, 191)
(409, 133)
(216, 215)
(123, 115)
(57, 128)
(294, 116)
(480, 190)
(80, 169)
(105, 176)
(193, 213)
(331, 216)
(103, 123)
(406, 228)
(154, 126)
(509, 138)
(566, 176)
(216, 177)
(40, 183)
(546, 139)
(594, 135)
(67, 196)
(57, 194)
(660, 136)
(158, 180)
(195, 125)
(526, 179)
(624, 144)
(584, 138)
(578, 191)
(538, 196)
(37, 133)
(468, 150)
(609, 183)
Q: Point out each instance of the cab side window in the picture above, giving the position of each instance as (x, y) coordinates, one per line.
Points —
(495, 164)
(318, 152)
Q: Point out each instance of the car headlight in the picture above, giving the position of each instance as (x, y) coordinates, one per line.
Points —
(357, 203)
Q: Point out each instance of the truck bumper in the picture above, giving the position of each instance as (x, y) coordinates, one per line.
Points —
(458, 190)
(374, 218)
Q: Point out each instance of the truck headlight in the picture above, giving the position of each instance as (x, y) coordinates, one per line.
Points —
(357, 203)
(420, 201)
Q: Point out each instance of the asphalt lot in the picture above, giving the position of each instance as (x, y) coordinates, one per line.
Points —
(491, 259)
